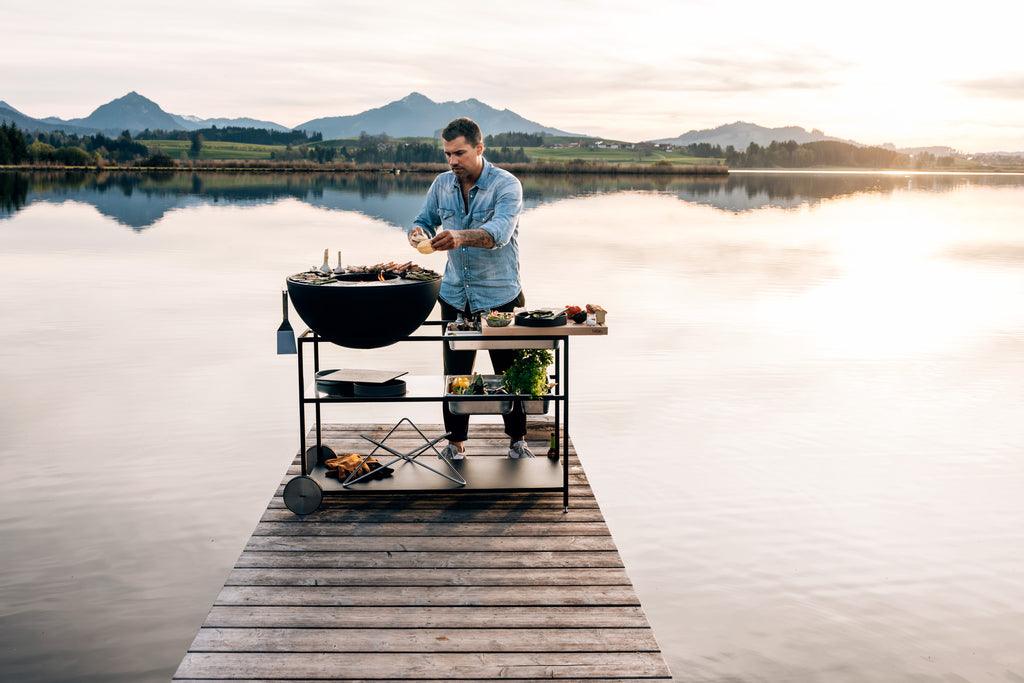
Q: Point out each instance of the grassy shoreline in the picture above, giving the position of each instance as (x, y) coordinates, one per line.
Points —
(569, 168)
(587, 168)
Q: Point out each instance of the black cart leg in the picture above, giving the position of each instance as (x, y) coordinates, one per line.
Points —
(565, 435)
(316, 369)
(302, 414)
(558, 404)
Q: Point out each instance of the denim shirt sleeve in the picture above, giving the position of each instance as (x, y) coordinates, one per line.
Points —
(428, 217)
(507, 207)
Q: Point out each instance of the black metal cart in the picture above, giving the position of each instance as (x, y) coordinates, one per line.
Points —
(304, 493)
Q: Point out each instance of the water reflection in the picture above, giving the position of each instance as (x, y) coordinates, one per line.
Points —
(825, 402)
(139, 200)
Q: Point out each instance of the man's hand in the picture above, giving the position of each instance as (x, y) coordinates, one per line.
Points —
(446, 240)
(453, 239)
(417, 236)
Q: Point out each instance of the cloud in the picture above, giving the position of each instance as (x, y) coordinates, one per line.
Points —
(696, 75)
(1010, 87)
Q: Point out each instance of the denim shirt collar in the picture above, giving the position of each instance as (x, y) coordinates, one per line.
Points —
(482, 182)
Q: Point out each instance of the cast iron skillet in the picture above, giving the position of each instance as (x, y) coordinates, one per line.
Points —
(523, 321)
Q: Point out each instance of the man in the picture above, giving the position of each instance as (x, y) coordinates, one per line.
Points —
(478, 205)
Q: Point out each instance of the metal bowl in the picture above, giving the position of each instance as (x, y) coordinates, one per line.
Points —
(361, 312)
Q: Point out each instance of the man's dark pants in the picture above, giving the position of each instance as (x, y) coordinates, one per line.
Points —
(461, 363)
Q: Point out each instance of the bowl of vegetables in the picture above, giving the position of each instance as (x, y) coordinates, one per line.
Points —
(499, 319)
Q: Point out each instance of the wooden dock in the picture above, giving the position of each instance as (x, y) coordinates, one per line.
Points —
(453, 587)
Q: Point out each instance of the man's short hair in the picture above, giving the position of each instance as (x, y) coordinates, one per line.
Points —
(463, 127)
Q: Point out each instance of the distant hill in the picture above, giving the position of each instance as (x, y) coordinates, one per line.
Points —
(132, 112)
(418, 115)
(740, 134)
(939, 151)
(9, 114)
(195, 123)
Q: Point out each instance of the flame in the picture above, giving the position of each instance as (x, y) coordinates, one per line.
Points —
(380, 276)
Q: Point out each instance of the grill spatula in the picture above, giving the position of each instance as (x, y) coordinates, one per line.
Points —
(285, 333)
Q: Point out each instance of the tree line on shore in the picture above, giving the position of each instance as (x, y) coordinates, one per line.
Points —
(68, 149)
(248, 136)
(384, 149)
(792, 154)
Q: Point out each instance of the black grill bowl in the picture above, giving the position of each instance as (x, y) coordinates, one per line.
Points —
(363, 313)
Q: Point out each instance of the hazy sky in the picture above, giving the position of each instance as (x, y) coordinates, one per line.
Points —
(911, 73)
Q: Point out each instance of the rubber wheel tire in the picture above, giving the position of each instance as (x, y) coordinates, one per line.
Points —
(315, 458)
(302, 495)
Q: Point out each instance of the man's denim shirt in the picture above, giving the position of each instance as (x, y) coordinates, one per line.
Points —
(483, 278)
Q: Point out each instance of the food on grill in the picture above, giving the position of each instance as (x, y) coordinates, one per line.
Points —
(381, 272)
(365, 307)
(311, 277)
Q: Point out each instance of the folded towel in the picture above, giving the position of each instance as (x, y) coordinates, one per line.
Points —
(342, 466)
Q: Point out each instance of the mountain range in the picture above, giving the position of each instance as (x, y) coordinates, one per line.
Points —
(740, 134)
(418, 115)
(413, 115)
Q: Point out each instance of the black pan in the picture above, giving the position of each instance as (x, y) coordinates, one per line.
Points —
(332, 387)
(523, 321)
(395, 387)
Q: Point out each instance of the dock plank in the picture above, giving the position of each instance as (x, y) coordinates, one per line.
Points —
(427, 576)
(474, 529)
(402, 544)
(413, 596)
(467, 586)
(437, 560)
(441, 515)
(472, 666)
(425, 640)
(426, 617)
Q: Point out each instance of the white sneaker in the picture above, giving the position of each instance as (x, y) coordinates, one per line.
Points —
(519, 449)
(450, 452)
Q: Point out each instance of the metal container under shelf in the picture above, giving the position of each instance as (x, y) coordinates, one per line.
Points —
(536, 406)
(475, 343)
(495, 406)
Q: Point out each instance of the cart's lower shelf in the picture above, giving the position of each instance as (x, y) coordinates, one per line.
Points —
(483, 473)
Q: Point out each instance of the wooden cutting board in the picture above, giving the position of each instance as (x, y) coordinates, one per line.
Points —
(569, 328)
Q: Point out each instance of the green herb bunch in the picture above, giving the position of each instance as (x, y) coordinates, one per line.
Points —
(528, 374)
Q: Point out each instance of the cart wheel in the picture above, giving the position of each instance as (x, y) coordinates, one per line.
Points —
(302, 495)
(315, 459)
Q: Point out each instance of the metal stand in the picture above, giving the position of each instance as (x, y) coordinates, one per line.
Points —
(304, 493)
(409, 457)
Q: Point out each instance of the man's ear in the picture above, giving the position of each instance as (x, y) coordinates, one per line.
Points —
(480, 148)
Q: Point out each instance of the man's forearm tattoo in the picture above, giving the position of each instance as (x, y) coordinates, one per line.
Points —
(476, 238)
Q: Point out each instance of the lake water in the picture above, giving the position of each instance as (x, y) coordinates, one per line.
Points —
(831, 371)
